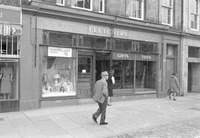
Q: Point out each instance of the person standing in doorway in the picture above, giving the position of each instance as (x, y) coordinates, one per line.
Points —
(174, 86)
(111, 82)
(101, 97)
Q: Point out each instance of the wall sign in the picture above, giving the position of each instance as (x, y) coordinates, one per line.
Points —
(105, 31)
(146, 57)
(123, 56)
(59, 52)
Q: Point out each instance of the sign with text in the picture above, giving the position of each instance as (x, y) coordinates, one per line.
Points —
(59, 52)
(106, 31)
(123, 56)
(146, 57)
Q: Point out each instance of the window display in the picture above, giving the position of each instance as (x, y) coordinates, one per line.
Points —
(8, 80)
(58, 76)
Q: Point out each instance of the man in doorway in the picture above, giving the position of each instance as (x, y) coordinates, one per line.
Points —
(101, 97)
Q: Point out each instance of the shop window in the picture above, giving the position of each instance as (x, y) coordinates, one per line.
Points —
(100, 43)
(60, 39)
(135, 9)
(83, 4)
(84, 64)
(193, 52)
(9, 80)
(145, 75)
(194, 14)
(167, 11)
(60, 2)
(57, 72)
(124, 74)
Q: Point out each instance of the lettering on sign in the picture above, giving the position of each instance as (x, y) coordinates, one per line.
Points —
(123, 55)
(146, 57)
(107, 31)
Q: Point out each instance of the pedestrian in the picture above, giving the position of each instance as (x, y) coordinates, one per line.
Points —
(174, 86)
(101, 97)
(111, 82)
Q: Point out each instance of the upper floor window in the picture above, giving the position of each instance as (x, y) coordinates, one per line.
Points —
(60, 2)
(135, 9)
(101, 6)
(167, 11)
(194, 9)
(193, 52)
(84, 4)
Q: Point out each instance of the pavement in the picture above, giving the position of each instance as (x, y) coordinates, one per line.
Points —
(143, 118)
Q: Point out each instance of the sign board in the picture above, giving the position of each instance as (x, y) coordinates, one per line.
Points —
(106, 31)
(123, 56)
(146, 57)
(11, 15)
(59, 52)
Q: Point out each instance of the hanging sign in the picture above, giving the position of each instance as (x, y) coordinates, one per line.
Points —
(59, 52)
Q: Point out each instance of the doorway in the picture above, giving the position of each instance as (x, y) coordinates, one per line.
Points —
(193, 77)
(102, 63)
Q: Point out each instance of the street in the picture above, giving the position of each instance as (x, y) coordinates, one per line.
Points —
(144, 118)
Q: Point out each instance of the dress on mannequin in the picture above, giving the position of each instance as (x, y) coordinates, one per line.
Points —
(6, 81)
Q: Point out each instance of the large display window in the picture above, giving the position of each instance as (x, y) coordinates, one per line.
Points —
(8, 79)
(145, 75)
(57, 72)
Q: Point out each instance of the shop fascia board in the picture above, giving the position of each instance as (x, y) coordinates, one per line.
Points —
(42, 9)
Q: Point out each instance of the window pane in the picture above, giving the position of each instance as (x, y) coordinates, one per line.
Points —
(60, 39)
(84, 64)
(166, 15)
(134, 8)
(57, 75)
(9, 80)
(87, 41)
(127, 45)
(117, 67)
(193, 52)
(100, 43)
(145, 75)
(118, 44)
(128, 74)
(81, 3)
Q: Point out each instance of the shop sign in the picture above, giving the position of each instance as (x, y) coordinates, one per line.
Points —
(10, 30)
(59, 52)
(146, 57)
(103, 31)
(123, 56)
(11, 15)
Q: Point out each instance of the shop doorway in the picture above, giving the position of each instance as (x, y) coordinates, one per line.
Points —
(193, 77)
(169, 70)
(102, 63)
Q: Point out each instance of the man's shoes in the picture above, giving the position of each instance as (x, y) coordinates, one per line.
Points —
(109, 104)
(174, 99)
(103, 123)
(94, 119)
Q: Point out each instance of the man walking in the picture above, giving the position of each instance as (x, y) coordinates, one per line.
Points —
(174, 86)
(101, 97)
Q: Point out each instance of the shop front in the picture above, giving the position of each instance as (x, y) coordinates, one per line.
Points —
(10, 32)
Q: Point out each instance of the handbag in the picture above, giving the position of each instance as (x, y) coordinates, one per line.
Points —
(169, 92)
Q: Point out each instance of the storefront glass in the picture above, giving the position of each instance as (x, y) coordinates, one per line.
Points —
(57, 72)
(145, 75)
(8, 79)
(124, 74)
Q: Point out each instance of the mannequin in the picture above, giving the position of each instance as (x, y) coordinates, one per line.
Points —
(6, 81)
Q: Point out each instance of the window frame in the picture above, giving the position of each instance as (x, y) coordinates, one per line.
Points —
(91, 3)
(169, 7)
(195, 15)
(61, 4)
(142, 11)
(103, 6)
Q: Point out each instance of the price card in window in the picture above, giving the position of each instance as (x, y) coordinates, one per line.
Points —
(59, 52)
